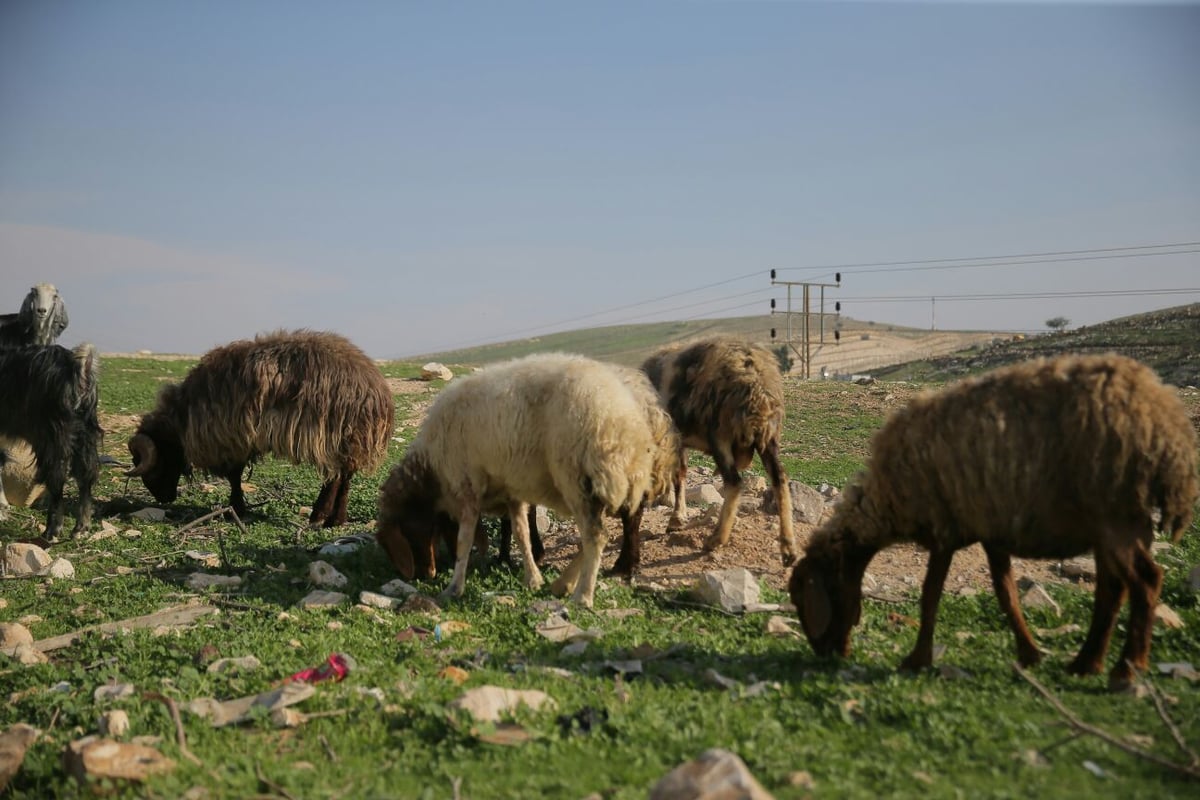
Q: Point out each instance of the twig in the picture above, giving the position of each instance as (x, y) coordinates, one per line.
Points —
(328, 750)
(456, 786)
(219, 512)
(236, 519)
(180, 736)
(274, 788)
(1081, 726)
(1156, 696)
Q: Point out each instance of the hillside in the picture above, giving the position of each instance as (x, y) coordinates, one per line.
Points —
(1168, 340)
(864, 345)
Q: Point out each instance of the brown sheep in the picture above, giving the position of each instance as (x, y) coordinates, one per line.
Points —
(1045, 459)
(309, 396)
(726, 399)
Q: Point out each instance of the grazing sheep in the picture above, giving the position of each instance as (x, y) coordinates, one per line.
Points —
(726, 399)
(308, 396)
(414, 551)
(48, 398)
(1045, 459)
(556, 430)
(41, 320)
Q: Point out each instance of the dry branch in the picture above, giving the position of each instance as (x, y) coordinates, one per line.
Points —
(180, 735)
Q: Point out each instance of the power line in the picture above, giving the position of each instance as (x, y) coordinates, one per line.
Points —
(924, 298)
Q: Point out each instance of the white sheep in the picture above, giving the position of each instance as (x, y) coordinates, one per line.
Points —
(556, 430)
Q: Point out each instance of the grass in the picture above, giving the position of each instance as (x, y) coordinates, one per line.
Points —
(858, 728)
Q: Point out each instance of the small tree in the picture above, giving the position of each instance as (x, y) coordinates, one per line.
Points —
(1057, 323)
(784, 357)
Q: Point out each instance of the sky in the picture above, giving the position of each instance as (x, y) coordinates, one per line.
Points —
(427, 176)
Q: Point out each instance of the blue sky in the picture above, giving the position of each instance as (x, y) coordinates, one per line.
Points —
(427, 176)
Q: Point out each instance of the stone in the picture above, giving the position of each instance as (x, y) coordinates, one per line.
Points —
(375, 600)
(150, 514)
(236, 666)
(27, 655)
(397, 588)
(706, 494)
(1038, 597)
(1168, 616)
(14, 743)
(22, 559)
(717, 774)
(754, 484)
(490, 703)
(731, 589)
(59, 568)
(433, 371)
(114, 724)
(322, 573)
(93, 758)
(319, 598)
(1081, 568)
(808, 505)
(13, 634)
(202, 580)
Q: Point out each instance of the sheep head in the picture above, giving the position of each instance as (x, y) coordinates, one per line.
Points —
(44, 312)
(158, 458)
(409, 522)
(826, 588)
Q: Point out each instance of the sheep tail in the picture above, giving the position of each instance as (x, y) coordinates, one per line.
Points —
(87, 370)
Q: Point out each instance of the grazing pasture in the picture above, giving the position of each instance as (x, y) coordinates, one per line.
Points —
(662, 679)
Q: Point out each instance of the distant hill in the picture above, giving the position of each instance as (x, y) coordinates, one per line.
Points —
(1168, 340)
(863, 345)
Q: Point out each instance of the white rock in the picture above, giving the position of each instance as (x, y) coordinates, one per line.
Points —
(319, 598)
(28, 655)
(1038, 597)
(754, 484)
(731, 589)
(202, 580)
(206, 557)
(114, 723)
(715, 774)
(234, 665)
(706, 494)
(23, 559)
(322, 573)
(1081, 568)
(13, 634)
(807, 503)
(1168, 617)
(435, 371)
(490, 703)
(379, 601)
(150, 514)
(59, 568)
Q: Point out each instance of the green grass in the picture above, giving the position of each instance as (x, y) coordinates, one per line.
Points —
(857, 727)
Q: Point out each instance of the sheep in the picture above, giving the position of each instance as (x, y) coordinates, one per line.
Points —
(41, 320)
(18, 470)
(726, 399)
(417, 556)
(309, 396)
(1044, 459)
(556, 430)
(49, 398)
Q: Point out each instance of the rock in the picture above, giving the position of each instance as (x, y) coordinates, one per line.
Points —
(1038, 597)
(543, 519)
(398, 588)
(433, 371)
(13, 634)
(206, 558)
(716, 775)
(344, 545)
(379, 601)
(731, 589)
(92, 758)
(114, 724)
(232, 711)
(202, 580)
(1080, 568)
(28, 656)
(235, 665)
(22, 559)
(420, 604)
(490, 703)
(59, 568)
(150, 514)
(706, 494)
(783, 626)
(807, 503)
(14, 743)
(322, 573)
(754, 484)
(113, 691)
(319, 598)
(1168, 617)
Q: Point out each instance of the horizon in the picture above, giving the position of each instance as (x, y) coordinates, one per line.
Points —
(429, 178)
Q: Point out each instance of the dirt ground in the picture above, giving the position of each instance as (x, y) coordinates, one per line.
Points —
(676, 560)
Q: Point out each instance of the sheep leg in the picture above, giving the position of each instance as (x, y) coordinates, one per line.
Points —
(679, 514)
(51, 473)
(631, 542)
(85, 469)
(518, 514)
(931, 595)
(237, 498)
(535, 539)
(323, 506)
(467, 520)
(568, 578)
(1000, 564)
(731, 490)
(769, 455)
(341, 499)
(1110, 593)
(591, 534)
(1144, 581)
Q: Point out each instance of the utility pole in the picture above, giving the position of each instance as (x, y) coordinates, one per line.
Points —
(805, 349)
(932, 314)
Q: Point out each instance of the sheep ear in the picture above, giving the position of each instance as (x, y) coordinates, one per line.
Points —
(60, 320)
(817, 612)
(398, 550)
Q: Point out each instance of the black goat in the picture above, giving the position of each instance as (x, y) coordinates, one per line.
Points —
(48, 397)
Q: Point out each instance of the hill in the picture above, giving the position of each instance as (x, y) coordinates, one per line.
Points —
(864, 345)
(1168, 340)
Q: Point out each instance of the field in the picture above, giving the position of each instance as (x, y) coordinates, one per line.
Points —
(663, 680)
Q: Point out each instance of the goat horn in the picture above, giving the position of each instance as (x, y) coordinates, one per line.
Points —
(144, 453)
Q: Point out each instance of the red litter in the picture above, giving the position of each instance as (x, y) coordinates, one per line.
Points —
(336, 668)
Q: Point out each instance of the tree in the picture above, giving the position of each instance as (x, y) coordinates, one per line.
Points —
(784, 357)
(1057, 323)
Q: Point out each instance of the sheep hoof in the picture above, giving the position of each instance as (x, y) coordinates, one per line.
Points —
(1082, 667)
(675, 524)
(914, 663)
(1121, 679)
(560, 588)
